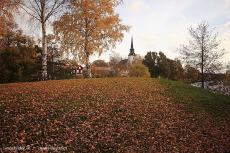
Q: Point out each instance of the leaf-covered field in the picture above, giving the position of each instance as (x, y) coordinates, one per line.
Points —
(105, 115)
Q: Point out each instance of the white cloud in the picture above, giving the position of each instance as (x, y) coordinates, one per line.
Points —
(138, 6)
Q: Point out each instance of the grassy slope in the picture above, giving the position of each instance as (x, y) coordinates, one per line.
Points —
(198, 99)
(114, 114)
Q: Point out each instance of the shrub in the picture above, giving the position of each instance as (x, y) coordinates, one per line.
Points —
(139, 70)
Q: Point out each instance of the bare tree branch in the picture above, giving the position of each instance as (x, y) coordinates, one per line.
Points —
(203, 50)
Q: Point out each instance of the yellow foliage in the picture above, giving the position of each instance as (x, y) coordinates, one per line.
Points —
(91, 26)
(139, 70)
(6, 14)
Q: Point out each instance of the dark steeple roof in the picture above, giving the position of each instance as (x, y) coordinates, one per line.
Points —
(131, 50)
(132, 43)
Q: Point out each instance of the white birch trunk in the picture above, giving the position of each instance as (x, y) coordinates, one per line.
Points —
(44, 44)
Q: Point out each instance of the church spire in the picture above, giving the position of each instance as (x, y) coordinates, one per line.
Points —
(132, 49)
(132, 43)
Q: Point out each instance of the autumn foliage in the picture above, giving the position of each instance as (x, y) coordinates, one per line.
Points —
(7, 9)
(138, 70)
(105, 115)
(17, 56)
(90, 27)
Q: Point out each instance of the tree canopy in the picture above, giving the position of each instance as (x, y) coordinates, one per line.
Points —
(7, 10)
(161, 66)
(91, 27)
(17, 58)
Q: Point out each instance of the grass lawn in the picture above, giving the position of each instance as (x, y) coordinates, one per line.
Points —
(198, 99)
(113, 115)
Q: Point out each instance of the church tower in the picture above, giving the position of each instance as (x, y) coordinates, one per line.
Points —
(131, 54)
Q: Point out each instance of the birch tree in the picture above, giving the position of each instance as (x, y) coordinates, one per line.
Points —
(42, 10)
(91, 27)
(202, 50)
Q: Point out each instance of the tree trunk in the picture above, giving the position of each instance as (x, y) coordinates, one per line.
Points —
(44, 51)
(202, 71)
(44, 47)
(202, 64)
(88, 67)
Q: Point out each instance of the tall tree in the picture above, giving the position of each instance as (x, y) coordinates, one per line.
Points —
(42, 10)
(160, 66)
(150, 60)
(91, 27)
(163, 66)
(203, 50)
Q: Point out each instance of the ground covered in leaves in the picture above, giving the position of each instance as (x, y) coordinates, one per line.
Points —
(104, 115)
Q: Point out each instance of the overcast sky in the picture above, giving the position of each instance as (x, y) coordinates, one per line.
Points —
(162, 25)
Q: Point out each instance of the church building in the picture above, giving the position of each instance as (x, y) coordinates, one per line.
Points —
(125, 63)
(131, 55)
